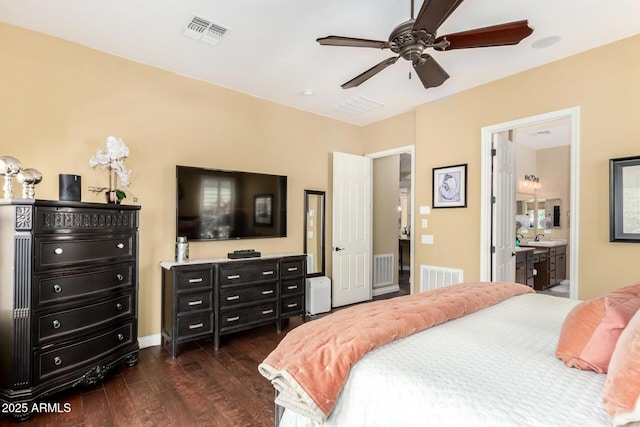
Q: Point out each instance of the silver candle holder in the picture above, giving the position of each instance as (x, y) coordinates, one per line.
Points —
(9, 167)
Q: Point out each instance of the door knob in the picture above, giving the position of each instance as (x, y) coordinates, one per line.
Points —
(339, 249)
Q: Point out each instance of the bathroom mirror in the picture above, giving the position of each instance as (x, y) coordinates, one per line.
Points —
(314, 204)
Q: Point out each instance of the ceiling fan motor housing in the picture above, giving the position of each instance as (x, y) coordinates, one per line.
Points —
(410, 43)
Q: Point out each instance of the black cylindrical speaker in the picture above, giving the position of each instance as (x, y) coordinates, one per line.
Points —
(69, 187)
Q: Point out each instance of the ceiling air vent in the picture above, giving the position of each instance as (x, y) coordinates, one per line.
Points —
(206, 30)
(359, 105)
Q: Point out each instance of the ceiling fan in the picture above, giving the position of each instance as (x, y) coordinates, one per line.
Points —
(410, 39)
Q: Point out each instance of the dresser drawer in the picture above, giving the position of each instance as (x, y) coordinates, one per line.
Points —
(50, 219)
(246, 273)
(194, 279)
(291, 286)
(292, 268)
(72, 284)
(76, 321)
(56, 360)
(68, 251)
(238, 295)
(245, 316)
(194, 302)
(195, 324)
(291, 305)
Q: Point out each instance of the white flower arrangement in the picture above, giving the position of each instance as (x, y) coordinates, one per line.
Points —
(112, 159)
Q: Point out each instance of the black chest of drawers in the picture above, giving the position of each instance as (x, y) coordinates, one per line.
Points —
(68, 295)
(202, 299)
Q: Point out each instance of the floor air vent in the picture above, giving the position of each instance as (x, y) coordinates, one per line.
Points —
(205, 30)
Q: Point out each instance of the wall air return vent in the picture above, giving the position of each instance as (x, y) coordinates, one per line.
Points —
(359, 105)
(205, 30)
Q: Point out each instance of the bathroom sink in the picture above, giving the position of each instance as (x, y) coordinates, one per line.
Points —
(545, 243)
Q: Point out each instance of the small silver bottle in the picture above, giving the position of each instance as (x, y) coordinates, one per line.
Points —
(182, 249)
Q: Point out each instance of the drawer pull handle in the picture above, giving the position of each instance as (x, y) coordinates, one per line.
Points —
(120, 245)
(119, 277)
(267, 273)
(233, 276)
(233, 319)
(292, 269)
(198, 280)
(267, 292)
(57, 289)
(292, 287)
(267, 311)
(196, 325)
(295, 304)
(233, 298)
(198, 302)
(56, 324)
(119, 307)
(57, 361)
(58, 251)
(120, 337)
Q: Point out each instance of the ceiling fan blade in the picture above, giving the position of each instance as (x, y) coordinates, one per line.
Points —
(497, 35)
(352, 42)
(430, 72)
(433, 13)
(356, 81)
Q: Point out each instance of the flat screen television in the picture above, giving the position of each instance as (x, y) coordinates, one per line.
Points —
(214, 204)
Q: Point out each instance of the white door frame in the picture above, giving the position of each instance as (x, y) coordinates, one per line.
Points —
(573, 114)
(408, 149)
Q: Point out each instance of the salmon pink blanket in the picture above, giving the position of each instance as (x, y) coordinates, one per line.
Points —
(311, 364)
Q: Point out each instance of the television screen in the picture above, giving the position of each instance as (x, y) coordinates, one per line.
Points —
(217, 204)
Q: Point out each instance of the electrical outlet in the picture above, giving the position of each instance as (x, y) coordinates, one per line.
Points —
(424, 223)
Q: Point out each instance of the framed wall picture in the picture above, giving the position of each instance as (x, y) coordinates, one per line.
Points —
(450, 187)
(624, 199)
(262, 210)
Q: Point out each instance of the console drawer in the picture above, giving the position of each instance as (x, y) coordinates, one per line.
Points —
(292, 268)
(66, 251)
(76, 321)
(291, 286)
(194, 302)
(71, 284)
(195, 324)
(193, 279)
(238, 295)
(244, 316)
(248, 273)
(291, 305)
(56, 360)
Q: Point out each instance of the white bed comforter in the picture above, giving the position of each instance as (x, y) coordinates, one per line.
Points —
(492, 368)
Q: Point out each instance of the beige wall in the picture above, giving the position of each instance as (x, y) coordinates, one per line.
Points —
(60, 101)
(604, 83)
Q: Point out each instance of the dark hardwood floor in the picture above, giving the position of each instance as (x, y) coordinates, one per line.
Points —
(200, 387)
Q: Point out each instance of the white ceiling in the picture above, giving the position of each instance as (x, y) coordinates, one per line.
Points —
(270, 50)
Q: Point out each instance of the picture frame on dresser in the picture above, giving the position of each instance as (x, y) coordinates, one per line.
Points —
(624, 199)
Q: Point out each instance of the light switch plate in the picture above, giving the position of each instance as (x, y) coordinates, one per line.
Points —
(424, 223)
(426, 239)
(425, 210)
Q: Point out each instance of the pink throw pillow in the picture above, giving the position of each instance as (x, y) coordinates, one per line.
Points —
(591, 329)
(622, 388)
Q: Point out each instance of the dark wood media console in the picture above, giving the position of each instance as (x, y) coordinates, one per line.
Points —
(202, 298)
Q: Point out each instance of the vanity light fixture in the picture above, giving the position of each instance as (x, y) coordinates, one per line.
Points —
(531, 182)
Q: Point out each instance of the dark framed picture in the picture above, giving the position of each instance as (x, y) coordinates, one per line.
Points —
(450, 187)
(624, 199)
(262, 210)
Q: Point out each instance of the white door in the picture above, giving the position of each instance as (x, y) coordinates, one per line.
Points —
(503, 262)
(351, 281)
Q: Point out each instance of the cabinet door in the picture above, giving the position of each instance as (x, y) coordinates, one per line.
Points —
(561, 268)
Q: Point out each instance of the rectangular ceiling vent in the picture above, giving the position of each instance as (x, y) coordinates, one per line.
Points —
(359, 105)
(205, 30)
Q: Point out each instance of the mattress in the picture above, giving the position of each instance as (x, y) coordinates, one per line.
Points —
(495, 367)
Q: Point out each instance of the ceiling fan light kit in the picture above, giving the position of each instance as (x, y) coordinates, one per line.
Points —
(410, 39)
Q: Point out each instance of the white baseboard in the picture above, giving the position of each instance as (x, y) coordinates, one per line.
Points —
(150, 340)
(385, 290)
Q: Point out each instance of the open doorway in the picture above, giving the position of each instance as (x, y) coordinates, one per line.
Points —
(542, 217)
(393, 202)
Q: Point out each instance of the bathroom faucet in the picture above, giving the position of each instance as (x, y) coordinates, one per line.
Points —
(537, 239)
